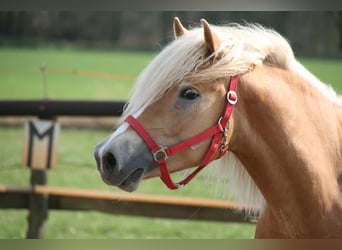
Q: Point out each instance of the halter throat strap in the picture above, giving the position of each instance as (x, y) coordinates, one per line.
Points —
(220, 134)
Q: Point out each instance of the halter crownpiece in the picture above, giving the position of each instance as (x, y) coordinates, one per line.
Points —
(220, 133)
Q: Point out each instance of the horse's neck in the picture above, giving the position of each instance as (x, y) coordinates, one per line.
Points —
(290, 145)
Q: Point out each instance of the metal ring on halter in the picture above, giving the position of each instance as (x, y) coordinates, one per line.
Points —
(223, 146)
(232, 93)
(223, 129)
(220, 125)
(180, 185)
(160, 154)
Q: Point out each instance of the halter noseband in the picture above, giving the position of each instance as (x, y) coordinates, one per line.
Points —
(217, 132)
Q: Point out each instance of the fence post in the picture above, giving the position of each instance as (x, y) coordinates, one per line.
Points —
(49, 109)
(39, 203)
(38, 208)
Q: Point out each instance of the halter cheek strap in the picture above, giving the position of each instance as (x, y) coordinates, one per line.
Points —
(220, 134)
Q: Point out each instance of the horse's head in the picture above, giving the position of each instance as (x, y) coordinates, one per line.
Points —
(172, 121)
(182, 93)
(171, 109)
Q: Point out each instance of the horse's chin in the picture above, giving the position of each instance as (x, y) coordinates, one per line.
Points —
(128, 184)
(129, 188)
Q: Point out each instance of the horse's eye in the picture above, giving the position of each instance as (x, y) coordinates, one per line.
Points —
(189, 93)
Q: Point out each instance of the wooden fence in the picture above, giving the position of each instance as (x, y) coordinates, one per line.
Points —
(48, 108)
(39, 198)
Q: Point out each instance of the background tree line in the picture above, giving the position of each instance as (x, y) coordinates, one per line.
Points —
(310, 33)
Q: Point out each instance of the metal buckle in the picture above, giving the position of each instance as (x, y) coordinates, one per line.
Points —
(232, 93)
(160, 154)
(196, 146)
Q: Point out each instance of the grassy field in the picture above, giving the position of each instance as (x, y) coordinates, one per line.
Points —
(20, 77)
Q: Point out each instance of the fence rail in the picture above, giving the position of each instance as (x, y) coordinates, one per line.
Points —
(52, 108)
(126, 204)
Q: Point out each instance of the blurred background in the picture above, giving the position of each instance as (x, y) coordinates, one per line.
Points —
(97, 56)
(310, 33)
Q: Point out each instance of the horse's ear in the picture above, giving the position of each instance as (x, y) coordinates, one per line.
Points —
(178, 28)
(212, 41)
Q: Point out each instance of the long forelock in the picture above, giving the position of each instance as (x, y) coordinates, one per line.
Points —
(167, 69)
(242, 47)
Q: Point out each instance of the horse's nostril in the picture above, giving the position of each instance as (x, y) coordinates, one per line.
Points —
(109, 161)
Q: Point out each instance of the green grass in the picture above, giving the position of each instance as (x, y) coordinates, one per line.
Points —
(20, 77)
(328, 71)
(93, 225)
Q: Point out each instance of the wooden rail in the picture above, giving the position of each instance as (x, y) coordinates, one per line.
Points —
(51, 108)
(124, 203)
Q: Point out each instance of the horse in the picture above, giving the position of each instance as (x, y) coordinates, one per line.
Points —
(236, 96)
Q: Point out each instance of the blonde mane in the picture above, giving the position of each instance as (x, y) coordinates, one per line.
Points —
(242, 48)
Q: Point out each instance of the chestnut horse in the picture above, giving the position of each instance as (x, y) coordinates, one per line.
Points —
(237, 86)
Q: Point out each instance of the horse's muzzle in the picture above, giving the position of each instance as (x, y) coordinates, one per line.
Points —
(122, 163)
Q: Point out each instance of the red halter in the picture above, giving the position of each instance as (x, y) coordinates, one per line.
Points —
(217, 132)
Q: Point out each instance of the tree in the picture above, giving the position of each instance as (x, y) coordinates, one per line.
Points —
(313, 33)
